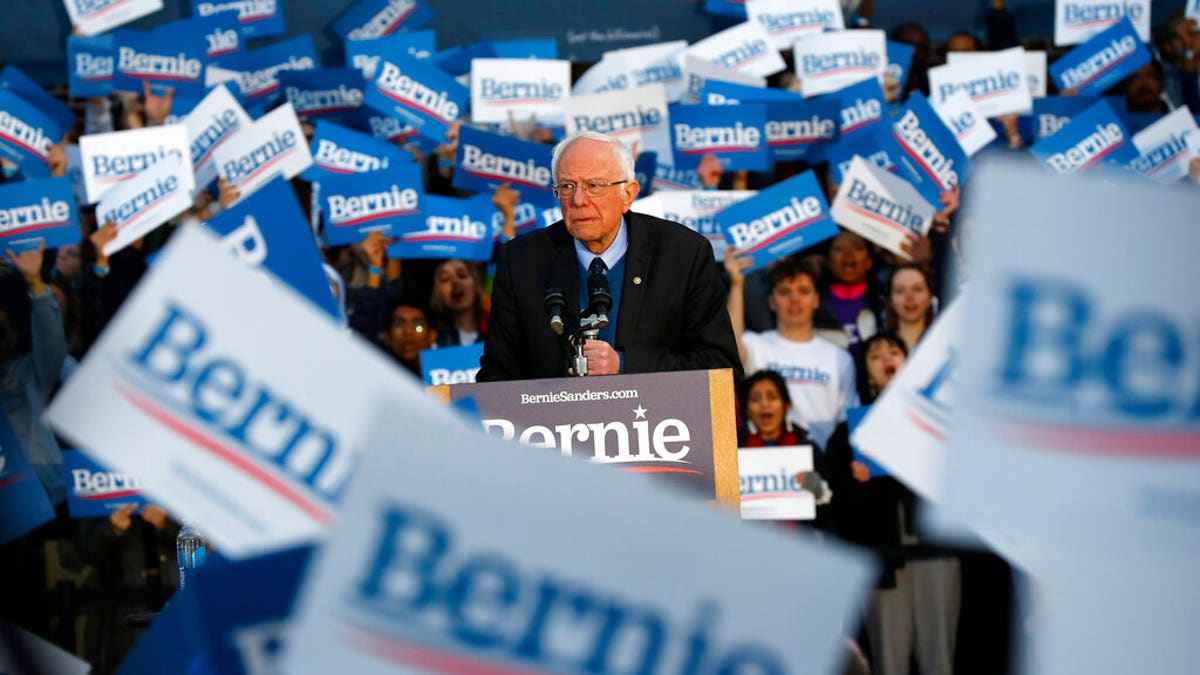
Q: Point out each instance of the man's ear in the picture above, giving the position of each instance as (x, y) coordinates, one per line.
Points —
(632, 189)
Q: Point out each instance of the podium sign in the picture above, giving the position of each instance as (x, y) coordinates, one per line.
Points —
(678, 426)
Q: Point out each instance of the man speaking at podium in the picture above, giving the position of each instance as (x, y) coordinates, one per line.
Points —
(650, 290)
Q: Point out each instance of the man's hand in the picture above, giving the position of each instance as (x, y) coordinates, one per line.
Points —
(602, 358)
(57, 159)
(122, 518)
(860, 472)
(155, 515)
(736, 263)
(100, 238)
(949, 201)
(29, 264)
(227, 194)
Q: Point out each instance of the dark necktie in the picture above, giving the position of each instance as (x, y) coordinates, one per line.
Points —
(597, 266)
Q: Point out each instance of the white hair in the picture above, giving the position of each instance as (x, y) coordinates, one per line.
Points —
(620, 151)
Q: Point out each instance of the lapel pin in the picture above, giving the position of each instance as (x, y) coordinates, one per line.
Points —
(637, 281)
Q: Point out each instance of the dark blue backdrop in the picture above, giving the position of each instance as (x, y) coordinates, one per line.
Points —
(33, 32)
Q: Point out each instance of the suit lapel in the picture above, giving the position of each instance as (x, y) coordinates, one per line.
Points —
(633, 286)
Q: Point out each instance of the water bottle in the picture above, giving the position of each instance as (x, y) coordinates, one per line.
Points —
(189, 551)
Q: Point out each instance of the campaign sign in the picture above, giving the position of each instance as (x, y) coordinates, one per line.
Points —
(1080, 366)
(268, 230)
(95, 492)
(450, 228)
(767, 480)
(1053, 112)
(787, 20)
(996, 82)
(735, 135)
(220, 32)
(37, 211)
(155, 195)
(968, 124)
(899, 61)
(324, 93)
(165, 59)
(925, 151)
(697, 71)
(667, 178)
(371, 19)
(451, 365)
(1164, 147)
(528, 217)
(1105, 59)
(91, 17)
(22, 498)
(486, 161)
(256, 18)
(881, 207)
(457, 60)
(779, 221)
(338, 150)
(365, 54)
(1035, 66)
(841, 155)
(26, 135)
(357, 204)
(863, 108)
(273, 145)
(418, 93)
(697, 209)
(113, 158)
(639, 117)
(381, 600)
(20, 649)
(501, 88)
(90, 65)
(533, 48)
(386, 128)
(1094, 136)
(731, 8)
(744, 48)
(75, 173)
(854, 417)
(1077, 20)
(827, 62)
(32, 92)
(716, 92)
(215, 120)
(636, 67)
(192, 388)
(256, 71)
(799, 129)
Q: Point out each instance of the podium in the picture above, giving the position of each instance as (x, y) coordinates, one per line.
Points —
(677, 426)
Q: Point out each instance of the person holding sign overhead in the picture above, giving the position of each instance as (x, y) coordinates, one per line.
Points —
(657, 281)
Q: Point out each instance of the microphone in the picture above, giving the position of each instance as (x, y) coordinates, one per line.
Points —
(555, 304)
(599, 297)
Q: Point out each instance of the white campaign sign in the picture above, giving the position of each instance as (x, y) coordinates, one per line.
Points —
(1035, 66)
(146, 202)
(520, 88)
(229, 422)
(273, 145)
(996, 81)
(696, 71)
(788, 20)
(448, 559)
(968, 123)
(1077, 20)
(45, 655)
(660, 63)
(827, 62)
(113, 158)
(880, 206)
(215, 120)
(697, 209)
(639, 117)
(1079, 388)
(769, 488)
(744, 48)
(1164, 147)
(90, 17)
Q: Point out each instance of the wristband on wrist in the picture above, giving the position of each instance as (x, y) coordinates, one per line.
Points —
(374, 271)
(445, 163)
(861, 21)
(710, 187)
(100, 270)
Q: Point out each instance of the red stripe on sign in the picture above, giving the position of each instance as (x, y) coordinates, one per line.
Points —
(428, 659)
(925, 425)
(791, 230)
(31, 228)
(246, 466)
(111, 495)
(878, 218)
(1140, 443)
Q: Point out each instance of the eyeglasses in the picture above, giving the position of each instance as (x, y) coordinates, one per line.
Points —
(591, 188)
(417, 325)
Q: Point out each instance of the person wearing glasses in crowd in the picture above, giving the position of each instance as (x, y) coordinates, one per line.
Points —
(668, 300)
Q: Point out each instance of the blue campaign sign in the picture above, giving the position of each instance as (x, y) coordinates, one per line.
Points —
(779, 221)
(370, 19)
(26, 134)
(22, 500)
(899, 57)
(258, 70)
(174, 641)
(535, 48)
(1135, 122)
(90, 62)
(801, 129)
(366, 54)
(161, 59)
(734, 134)
(15, 80)
(731, 8)
(485, 161)
(338, 150)
(840, 154)
(924, 149)
(34, 211)
(451, 365)
(325, 93)
(1105, 59)
(418, 93)
(457, 61)
(863, 107)
(853, 417)
(255, 18)
(1052, 113)
(388, 201)
(718, 92)
(1093, 136)
(451, 228)
(219, 31)
(94, 491)
(644, 169)
(268, 229)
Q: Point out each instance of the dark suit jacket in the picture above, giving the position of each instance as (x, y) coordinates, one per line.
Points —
(672, 314)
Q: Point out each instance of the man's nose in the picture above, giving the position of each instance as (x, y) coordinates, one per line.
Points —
(580, 197)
